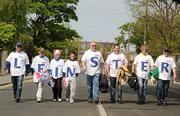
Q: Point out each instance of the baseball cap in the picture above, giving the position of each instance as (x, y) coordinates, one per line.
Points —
(167, 50)
(18, 44)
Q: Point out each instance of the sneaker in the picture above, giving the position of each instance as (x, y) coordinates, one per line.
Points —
(113, 101)
(39, 100)
(90, 101)
(59, 100)
(71, 101)
(96, 101)
(17, 99)
(54, 100)
(67, 99)
(165, 103)
(159, 103)
(120, 102)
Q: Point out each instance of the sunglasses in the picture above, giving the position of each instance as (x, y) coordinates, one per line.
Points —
(93, 45)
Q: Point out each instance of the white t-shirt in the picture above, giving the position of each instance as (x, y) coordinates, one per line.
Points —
(56, 67)
(143, 63)
(93, 62)
(71, 68)
(40, 65)
(18, 62)
(115, 61)
(165, 65)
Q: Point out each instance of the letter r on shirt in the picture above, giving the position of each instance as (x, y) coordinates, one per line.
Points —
(164, 67)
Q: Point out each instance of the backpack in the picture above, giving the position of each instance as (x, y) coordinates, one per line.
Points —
(103, 83)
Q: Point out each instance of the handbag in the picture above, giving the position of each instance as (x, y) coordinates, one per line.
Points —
(103, 83)
(133, 82)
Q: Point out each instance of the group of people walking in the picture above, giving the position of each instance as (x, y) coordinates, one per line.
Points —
(93, 64)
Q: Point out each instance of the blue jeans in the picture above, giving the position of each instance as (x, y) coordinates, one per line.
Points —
(93, 86)
(142, 89)
(115, 90)
(17, 85)
(162, 89)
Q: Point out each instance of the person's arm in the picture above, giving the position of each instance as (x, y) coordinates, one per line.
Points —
(33, 64)
(47, 66)
(125, 61)
(7, 67)
(174, 74)
(133, 68)
(102, 68)
(108, 69)
(134, 65)
(84, 64)
(101, 64)
(8, 64)
(64, 74)
(174, 70)
(64, 69)
(28, 69)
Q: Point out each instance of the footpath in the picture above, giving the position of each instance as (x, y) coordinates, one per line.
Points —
(6, 79)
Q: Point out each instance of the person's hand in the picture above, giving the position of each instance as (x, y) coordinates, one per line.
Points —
(108, 76)
(45, 71)
(7, 71)
(26, 74)
(133, 74)
(84, 69)
(173, 80)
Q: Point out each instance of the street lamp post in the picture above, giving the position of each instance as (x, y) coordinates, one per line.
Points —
(145, 21)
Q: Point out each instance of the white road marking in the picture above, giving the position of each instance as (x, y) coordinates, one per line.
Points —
(101, 110)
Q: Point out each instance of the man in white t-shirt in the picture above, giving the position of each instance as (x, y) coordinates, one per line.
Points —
(165, 64)
(113, 62)
(40, 66)
(142, 65)
(92, 62)
(17, 63)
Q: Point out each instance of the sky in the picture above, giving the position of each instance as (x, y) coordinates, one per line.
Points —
(99, 19)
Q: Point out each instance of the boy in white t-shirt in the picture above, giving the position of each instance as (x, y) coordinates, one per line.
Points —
(92, 62)
(165, 64)
(71, 70)
(40, 66)
(56, 69)
(142, 65)
(113, 62)
(17, 63)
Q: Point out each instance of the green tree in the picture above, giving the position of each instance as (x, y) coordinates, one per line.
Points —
(14, 11)
(162, 24)
(135, 35)
(49, 18)
(7, 31)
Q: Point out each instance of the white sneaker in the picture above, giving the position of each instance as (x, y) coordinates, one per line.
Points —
(39, 100)
(67, 99)
(71, 101)
(54, 100)
(59, 100)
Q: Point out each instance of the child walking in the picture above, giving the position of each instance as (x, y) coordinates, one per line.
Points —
(56, 67)
(71, 70)
(40, 66)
